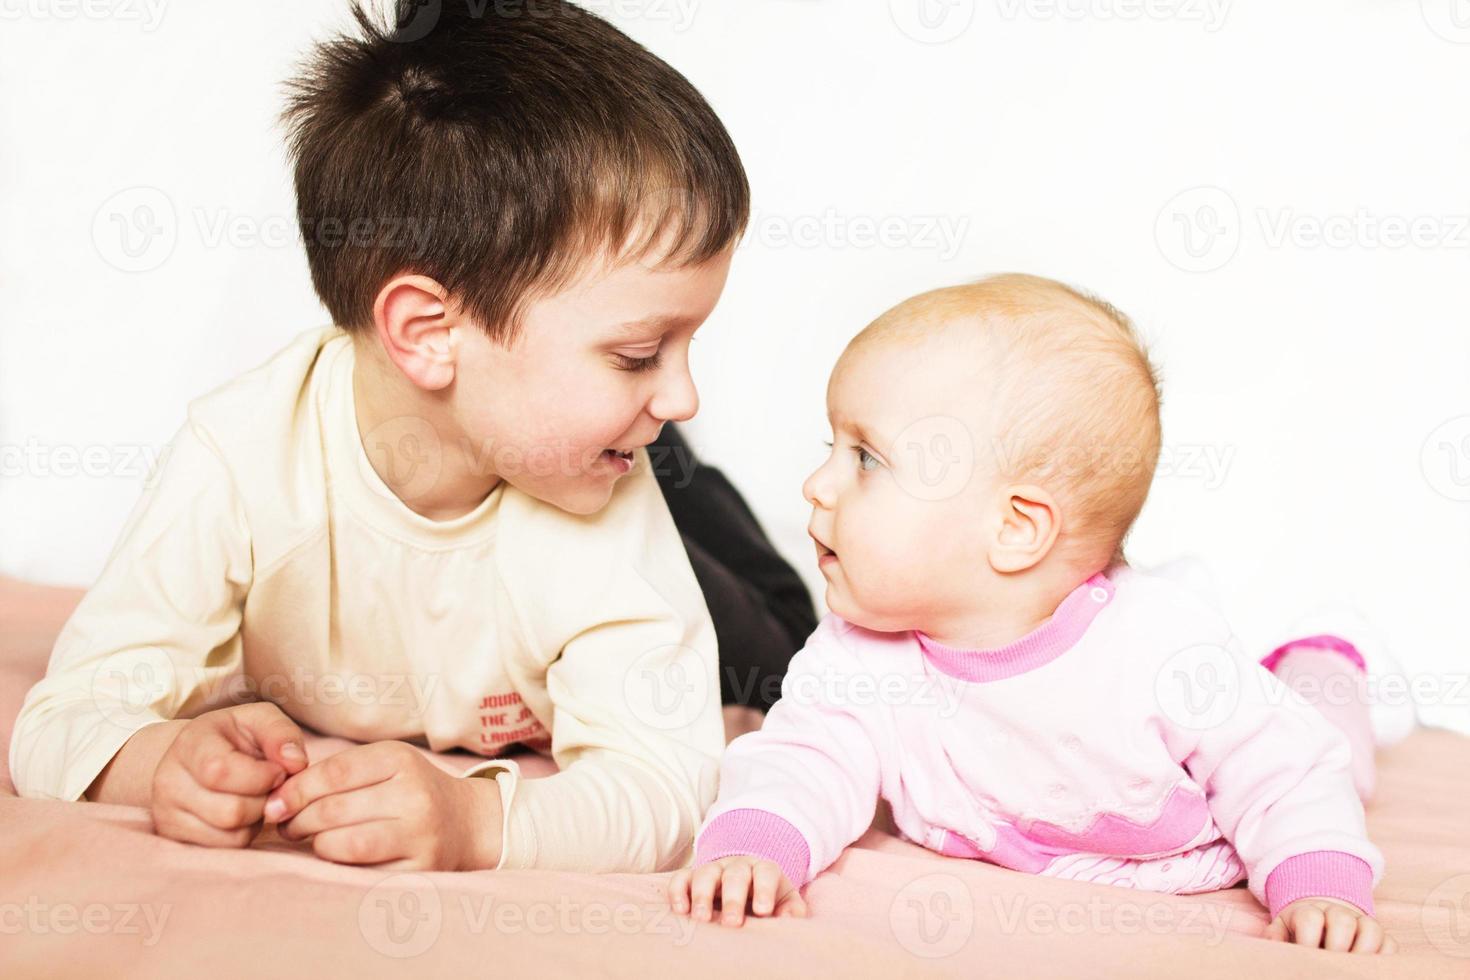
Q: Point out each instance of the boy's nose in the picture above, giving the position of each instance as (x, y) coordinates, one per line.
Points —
(677, 399)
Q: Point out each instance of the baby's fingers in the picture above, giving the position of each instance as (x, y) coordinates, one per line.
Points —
(1341, 928)
(790, 902)
(1370, 937)
(702, 887)
(766, 888)
(678, 891)
(734, 890)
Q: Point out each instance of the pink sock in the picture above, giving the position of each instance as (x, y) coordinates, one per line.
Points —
(1328, 672)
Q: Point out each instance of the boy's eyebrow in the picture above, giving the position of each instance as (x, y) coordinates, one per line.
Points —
(659, 321)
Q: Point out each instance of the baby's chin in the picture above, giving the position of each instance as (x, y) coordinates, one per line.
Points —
(842, 605)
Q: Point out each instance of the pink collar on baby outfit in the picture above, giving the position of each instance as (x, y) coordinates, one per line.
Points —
(1041, 646)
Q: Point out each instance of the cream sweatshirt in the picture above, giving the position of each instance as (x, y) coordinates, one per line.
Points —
(268, 560)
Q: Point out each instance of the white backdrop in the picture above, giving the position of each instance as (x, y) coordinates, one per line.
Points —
(1277, 193)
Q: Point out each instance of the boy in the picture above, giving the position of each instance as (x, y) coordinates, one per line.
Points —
(437, 521)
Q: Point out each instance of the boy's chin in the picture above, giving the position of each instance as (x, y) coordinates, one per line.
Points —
(584, 497)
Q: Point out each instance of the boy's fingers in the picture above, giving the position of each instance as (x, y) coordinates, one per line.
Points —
(351, 769)
(767, 885)
(1390, 945)
(181, 825)
(344, 809)
(1277, 930)
(734, 891)
(368, 843)
(266, 727)
(225, 811)
(702, 889)
(217, 765)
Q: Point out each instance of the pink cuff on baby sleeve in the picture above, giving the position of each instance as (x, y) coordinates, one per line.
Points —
(1320, 874)
(757, 833)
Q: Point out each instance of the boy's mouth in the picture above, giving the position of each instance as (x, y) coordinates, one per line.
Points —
(619, 459)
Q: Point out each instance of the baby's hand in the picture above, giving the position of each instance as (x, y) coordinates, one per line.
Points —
(1330, 924)
(385, 804)
(211, 783)
(732, 879)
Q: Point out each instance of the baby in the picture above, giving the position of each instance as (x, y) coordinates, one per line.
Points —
(993, 669)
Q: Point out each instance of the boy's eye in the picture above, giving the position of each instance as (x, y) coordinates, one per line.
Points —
(864, 458)
(626, 363)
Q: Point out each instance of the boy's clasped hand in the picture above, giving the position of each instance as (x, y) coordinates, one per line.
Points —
(230, 771)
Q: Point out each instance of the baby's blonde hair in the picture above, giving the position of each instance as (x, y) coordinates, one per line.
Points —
(1072, 395)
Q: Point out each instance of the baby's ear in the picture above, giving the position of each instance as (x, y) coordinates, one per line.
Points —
(1029, 523)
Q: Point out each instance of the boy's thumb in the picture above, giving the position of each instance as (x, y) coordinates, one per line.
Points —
(278, 737)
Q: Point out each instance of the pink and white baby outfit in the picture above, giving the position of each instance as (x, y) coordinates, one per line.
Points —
(1127, 740)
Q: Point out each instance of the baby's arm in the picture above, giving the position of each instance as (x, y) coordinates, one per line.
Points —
(792, 795)
(1277, 778)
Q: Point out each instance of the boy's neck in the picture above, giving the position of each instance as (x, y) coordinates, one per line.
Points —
(381, 395)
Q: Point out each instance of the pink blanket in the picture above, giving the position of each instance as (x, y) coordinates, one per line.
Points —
(86, 889)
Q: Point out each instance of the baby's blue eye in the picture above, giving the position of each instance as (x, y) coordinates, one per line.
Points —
(865, 457)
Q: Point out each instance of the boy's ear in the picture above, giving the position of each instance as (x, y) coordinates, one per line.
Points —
(416, 325)
(1029, 524)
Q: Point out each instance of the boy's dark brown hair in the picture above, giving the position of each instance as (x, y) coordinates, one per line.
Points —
(495, 148)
